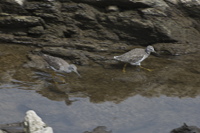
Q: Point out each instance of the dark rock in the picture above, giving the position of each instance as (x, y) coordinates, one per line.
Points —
(19, 33)
(20, 21)
(36, 62)
(99, 129)
(192, 8)
(12, 7)
(77, 56)
(36, 30)
(186, 129)
(127, 4)
(175, 49)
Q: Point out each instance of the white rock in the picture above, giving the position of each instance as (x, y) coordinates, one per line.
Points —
(34, 124)
(21, 2)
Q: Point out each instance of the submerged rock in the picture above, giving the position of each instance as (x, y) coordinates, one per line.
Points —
(99, 129)
(186, 129)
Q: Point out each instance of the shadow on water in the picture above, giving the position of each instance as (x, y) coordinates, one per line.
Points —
(117, 94)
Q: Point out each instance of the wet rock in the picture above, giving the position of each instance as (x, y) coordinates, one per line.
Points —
(35, 62)
(154, 12)
(38, 30)
(47, 10)
(99, 129)
(112, 9)
(175, 49)
(12, 7)
(77, 56)
(6, 76)
(19, 21)
(12, 127)
(128, 4)
(20, 33)
(191, 7)
(186, 129)
(56, 31)
(34, 124)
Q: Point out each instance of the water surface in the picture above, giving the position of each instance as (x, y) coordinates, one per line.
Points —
(138, 101)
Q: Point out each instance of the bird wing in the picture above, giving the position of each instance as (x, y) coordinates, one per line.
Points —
(54, 62)
(134, 55)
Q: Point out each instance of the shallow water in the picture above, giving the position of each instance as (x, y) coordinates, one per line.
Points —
(138, 101)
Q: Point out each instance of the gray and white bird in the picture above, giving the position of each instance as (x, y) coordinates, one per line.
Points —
(59, 65)
(135, 56)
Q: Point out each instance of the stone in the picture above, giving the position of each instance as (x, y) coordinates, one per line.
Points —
(175, 49)
(19, 21)
(112, 9)
(186, 129)
(99, 129)
(21, 2)
(192, 7)
(36, 30)
(34, 124)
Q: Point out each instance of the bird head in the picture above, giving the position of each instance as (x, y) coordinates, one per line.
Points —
(150, 49)
(73, 68)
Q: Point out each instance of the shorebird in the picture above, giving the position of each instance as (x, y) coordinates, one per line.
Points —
(135, 56)
(59, 65)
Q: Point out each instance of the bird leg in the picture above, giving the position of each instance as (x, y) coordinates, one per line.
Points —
(124, 68)
(53, 75)
(145, 68)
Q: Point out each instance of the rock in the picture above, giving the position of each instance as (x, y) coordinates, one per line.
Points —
(38, 30)
(127, 4)
(34, 124)
(175, 49)
(99, 129)
(112, 9)
(13, 7)
(6, 76)
(76, 56)
(186, 129)
(35, 61)
(20, 33)
(20, 21)
(21, 2)
(191, 7)
(48, 10)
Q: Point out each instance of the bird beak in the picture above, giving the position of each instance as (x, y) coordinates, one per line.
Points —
(78, 74)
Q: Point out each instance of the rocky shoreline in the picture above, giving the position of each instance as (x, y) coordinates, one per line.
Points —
(88, 31)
